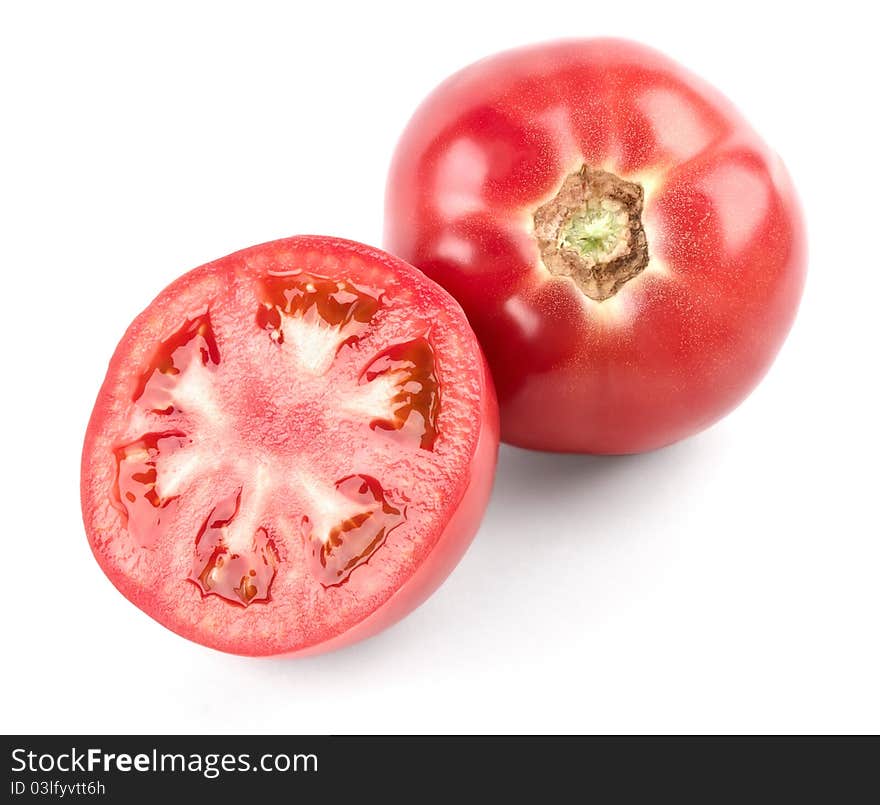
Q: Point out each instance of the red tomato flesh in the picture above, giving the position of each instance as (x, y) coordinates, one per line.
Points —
(291, 449)
(628, 250)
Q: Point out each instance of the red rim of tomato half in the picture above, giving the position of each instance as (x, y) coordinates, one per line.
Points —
(292, 448)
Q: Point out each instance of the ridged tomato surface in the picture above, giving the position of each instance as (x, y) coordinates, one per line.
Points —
(628, 250)
(292, 447)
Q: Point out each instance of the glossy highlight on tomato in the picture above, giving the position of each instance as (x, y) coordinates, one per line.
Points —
(293, 446)
(628, 250)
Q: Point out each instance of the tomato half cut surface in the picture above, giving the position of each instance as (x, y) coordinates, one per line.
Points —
(292, 448)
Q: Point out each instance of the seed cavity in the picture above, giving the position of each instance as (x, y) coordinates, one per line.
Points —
(136, 493)
(315, 316)
(195, 343)
(415, 402)
(243, 575)
(353, 541)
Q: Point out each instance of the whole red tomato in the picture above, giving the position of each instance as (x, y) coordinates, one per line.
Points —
(628, 250)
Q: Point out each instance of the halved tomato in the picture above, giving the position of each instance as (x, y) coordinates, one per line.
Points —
(292, 448)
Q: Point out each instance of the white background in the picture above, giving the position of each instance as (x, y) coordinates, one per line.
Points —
(728, 583)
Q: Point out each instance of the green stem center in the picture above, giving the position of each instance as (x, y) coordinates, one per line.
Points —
(596, 232)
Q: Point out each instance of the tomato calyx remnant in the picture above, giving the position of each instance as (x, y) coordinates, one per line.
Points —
(592, 232)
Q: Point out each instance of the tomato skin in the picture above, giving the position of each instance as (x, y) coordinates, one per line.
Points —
(678, 346)
(449, 531)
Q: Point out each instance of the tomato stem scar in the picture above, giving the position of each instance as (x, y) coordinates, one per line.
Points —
(591, 231)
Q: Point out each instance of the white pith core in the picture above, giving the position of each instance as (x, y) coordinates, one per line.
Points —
(310, 342)
(194, 393)
(326, 506)
(238, 536)
(373, 400)
(310, 346)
